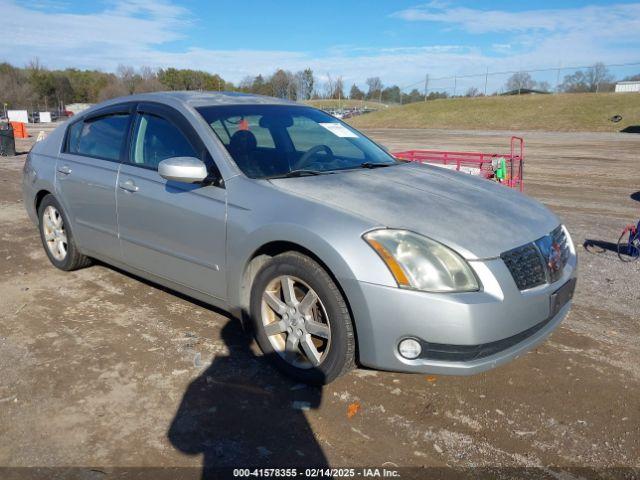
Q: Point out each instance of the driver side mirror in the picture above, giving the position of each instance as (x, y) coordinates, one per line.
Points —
(183, 169)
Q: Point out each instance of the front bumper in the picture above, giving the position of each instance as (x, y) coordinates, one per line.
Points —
(498, 324)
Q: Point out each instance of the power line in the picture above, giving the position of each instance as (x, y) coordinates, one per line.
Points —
(487, 73)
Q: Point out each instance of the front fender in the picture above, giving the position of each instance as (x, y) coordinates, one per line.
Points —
(259, 214)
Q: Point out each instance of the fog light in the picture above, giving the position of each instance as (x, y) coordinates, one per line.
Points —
(410, 348)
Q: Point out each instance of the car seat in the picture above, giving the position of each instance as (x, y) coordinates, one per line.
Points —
(242, 147)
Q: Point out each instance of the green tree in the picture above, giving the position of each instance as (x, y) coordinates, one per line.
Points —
(355, 93)
(414, 96)
(391, 94)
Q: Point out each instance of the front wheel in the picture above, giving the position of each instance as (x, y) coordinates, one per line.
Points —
(301, 320)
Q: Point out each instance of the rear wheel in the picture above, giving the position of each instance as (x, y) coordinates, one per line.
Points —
(57, 238)
(301, 320)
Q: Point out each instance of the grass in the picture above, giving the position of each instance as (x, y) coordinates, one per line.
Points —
(587, 112)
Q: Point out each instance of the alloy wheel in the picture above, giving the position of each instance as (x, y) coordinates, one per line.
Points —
(296, 322)
(54, 233)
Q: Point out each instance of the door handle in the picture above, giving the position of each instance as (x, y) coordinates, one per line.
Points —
(64, 169)
(128, 185)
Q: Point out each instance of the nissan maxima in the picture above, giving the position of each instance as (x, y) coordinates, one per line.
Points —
(334, 251)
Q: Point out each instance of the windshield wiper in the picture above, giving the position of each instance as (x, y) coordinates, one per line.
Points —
(299, 173)
(375, 165)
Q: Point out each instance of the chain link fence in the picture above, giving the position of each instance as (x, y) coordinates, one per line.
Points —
(591, 78)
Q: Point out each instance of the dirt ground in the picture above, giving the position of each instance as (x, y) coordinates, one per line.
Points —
(101, 369)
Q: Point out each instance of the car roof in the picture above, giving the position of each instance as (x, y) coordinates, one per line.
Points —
(191, 99)
(203, 98)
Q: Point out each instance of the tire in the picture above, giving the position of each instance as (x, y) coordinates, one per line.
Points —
(65, 258)
(325, 347)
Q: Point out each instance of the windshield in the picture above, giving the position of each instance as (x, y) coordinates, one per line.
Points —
(269, 141)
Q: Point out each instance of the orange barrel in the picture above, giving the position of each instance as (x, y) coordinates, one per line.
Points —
(19, 130)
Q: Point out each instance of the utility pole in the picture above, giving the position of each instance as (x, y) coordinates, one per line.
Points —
(455, 85)
(558, 78)
(426, 86)
(486, 78)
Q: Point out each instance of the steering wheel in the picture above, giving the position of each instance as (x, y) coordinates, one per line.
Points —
(306, 157)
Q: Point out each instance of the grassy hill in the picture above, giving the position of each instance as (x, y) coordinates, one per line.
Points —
(562, 112)
(346, 103)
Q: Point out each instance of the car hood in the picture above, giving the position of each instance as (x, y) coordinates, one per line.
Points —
(476, 217)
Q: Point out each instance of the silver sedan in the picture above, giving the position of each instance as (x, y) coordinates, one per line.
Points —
(336, 253)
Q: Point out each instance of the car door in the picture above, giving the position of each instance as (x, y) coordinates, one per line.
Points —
(86, 173)
(171, 229)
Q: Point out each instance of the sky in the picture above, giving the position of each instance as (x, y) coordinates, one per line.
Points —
(399, 41)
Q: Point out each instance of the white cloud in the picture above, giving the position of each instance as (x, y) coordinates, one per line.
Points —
(147, 32)
(615, 19)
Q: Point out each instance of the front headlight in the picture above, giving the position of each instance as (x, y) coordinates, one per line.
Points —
(421, 263)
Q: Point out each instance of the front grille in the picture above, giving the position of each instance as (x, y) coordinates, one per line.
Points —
(525, 265)
(538, 262)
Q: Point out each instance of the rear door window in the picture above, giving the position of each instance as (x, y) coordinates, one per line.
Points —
(101, 137)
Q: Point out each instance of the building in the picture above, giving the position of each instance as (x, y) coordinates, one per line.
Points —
(625, 87)
(525, 91)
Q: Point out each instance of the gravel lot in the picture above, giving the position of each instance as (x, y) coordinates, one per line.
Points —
(99, 368)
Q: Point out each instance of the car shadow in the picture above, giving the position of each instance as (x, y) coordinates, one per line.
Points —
(599, 246)
(635, 196)
(240, 412)
(631, 129)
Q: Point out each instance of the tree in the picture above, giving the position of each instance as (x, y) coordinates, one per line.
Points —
(594, 79)
(574, 83)
(149, 81)
(435, 95)
(260, 87)
(598, 77)
(41, 80)
(414, 96)
(129, 78)
(472, 92)
(355, 93)
(520, 81)
(115, 88)
(375, 87)
(338, 89)
(87, 84)
(543, 86)
(15, 89)
(246, 84)
(62, 88)
(328, 87)
(283, 84)
(305, 83)
(391, 94)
